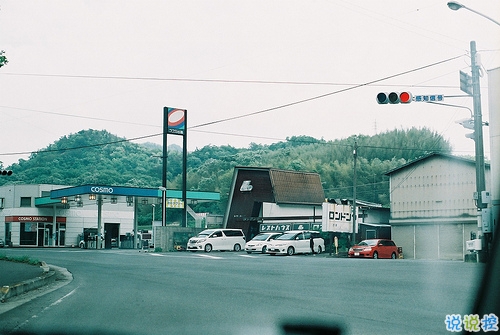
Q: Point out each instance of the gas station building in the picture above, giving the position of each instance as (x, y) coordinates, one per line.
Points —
(45, 215)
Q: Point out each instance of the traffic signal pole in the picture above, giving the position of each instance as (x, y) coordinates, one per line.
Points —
(478, 141)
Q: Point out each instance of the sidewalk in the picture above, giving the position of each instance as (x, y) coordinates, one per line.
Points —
(17, 278)
(12, 273)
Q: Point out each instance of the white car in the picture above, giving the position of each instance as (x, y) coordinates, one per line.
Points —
(217, 239)
(260, 242)
(296, 242)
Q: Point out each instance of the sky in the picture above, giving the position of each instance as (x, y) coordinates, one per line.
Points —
(246, 71)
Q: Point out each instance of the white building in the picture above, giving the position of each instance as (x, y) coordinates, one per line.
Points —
(433, 212)
(29, 218)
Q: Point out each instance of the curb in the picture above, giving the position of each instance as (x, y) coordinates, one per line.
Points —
(46, 278)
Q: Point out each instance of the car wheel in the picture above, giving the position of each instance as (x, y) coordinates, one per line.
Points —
(264, 249)
(208, 247)
(393, 256)
(237, 247)
(319, 249)
(290, 251)
(375, 255)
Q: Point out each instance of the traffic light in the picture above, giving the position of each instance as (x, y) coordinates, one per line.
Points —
(5, 172)
(394, 98)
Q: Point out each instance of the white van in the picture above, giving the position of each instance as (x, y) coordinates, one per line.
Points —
(217, 239)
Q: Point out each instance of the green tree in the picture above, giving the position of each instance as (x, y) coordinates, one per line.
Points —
(3, 58)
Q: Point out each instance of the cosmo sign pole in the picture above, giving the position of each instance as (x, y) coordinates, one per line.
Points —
(174, 123)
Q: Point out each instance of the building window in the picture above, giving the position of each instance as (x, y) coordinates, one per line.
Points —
(2, 203)
(25, 201)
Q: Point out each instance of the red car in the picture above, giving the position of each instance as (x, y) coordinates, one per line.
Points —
(374, 248)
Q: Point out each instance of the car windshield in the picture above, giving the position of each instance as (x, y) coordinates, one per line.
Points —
(205, 233)
(261, 237)
(368, 242)
(287, 236)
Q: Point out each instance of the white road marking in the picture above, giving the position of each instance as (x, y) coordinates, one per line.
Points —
(209, 256)
(57, 302)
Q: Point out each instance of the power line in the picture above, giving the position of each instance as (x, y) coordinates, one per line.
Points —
(78, 116)
(229, 81)
(225, 119)
(249, 136)
(351, 87)
(79, 147)
(323, 95)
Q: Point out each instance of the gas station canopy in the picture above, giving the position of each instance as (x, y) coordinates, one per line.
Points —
(118, 194)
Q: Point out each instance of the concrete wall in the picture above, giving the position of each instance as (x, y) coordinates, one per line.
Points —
(167, 237)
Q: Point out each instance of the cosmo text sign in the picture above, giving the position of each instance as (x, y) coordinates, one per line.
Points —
(101, 189)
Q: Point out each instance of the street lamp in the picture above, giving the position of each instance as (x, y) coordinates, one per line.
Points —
(454, 5)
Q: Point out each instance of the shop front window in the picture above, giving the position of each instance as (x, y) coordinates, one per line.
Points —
(28, 233)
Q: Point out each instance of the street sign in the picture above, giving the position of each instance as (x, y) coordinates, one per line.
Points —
(429, 98)
(465, 83)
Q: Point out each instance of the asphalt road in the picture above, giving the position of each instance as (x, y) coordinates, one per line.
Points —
(128, 292)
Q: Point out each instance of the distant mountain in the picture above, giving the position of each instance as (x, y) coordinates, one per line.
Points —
(90, 157)
(98, 157)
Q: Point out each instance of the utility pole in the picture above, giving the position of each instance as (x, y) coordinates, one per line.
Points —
(164, 169)
(354, 212)
(478, 126)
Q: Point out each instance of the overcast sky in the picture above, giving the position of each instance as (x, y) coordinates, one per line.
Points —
(114, 65)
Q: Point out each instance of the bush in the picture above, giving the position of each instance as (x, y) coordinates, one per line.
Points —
(20, 259)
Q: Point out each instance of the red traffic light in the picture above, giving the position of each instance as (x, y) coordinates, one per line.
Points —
(5, 172)
(394, 98)
(405, 97)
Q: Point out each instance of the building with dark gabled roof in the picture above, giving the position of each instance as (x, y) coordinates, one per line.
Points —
(268, 199)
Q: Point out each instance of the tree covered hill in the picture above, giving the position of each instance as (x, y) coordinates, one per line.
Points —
(98, 157)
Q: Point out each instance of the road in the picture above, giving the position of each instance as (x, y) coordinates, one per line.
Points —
(131, 292)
